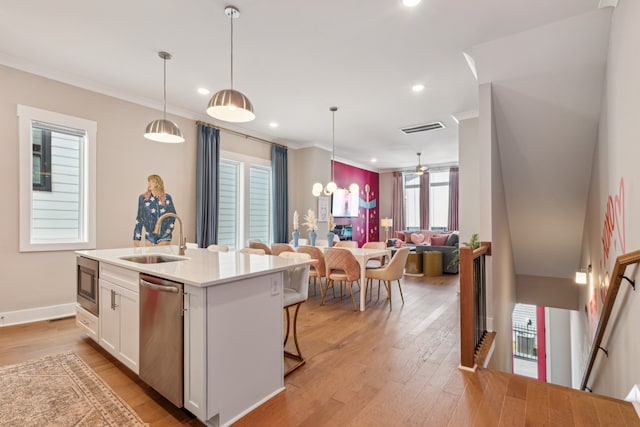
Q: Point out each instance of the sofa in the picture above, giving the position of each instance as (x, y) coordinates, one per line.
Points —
(445, 242)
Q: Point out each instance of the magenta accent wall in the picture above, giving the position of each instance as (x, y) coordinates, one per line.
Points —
(367, 226)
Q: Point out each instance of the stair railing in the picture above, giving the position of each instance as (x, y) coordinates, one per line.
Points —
(473, 301)
(622, 262)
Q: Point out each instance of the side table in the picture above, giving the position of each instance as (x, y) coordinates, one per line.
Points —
(432, 263)
(413, 266)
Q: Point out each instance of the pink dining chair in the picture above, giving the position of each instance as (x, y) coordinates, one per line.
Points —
(318, 268)
(343, 267)
(255, 244)
(278, 248)
(375, 262)
(389, 273)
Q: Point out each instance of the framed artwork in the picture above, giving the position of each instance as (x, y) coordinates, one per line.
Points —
(323, 208)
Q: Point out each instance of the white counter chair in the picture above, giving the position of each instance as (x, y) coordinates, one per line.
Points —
(296, 291)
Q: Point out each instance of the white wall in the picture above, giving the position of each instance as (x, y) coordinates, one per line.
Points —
(616, 159)
(307, 166)
(494, 227)
(469, 179)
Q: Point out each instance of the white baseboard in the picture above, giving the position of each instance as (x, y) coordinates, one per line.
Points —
(36, 314)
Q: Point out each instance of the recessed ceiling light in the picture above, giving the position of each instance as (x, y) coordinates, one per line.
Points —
(373, 160)
(410, 3)
(417, 88)
(273, 124)
(203, 91)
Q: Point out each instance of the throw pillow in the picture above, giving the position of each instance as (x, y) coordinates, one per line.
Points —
(417, 238)
(439, 239)
(400, 235)
(452, 240)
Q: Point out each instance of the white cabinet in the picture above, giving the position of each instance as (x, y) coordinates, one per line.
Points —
(119, 314)
(233, 358)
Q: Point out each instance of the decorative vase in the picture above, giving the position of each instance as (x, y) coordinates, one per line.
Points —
(296, 236)
(330, 239)
(312, 237)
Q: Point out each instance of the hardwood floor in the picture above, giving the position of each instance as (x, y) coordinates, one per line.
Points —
(377, 368)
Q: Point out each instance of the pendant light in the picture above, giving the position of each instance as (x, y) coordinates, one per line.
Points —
(163, 130)
(419, 169)
(230, 105)
(332, 186)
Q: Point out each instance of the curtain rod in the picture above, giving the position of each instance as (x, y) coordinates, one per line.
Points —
(200, 122)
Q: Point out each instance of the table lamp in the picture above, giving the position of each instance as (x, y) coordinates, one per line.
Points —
(386, 223)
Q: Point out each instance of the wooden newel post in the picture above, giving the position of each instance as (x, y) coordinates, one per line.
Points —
(467, 344)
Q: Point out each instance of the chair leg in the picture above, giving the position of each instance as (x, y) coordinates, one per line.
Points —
(286, 336)
(297, 356)
(400, 287)
(353, 302)
(326, 289)
(387, 285)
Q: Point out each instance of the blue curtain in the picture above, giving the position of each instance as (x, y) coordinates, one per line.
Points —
(207, 177)
(280, 194)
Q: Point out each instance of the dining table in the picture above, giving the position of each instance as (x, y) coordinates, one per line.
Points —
(363, 255)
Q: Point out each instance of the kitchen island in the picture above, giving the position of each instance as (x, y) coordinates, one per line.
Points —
(233, 352)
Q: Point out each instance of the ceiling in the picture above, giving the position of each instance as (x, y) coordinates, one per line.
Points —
(295, 59)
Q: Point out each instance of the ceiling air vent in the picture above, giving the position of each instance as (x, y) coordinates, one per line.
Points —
(423, 128)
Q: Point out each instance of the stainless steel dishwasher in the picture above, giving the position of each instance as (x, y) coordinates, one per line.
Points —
(162, 336)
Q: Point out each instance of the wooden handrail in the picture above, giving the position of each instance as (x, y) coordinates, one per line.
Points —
(618, 274)
(467, 301)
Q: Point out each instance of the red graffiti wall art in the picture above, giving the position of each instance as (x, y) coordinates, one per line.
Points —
(613, 234)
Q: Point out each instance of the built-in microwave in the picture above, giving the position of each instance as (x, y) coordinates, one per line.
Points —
(87, 283)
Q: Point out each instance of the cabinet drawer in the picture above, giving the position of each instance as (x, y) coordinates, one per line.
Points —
(87, 322)
(120, 276)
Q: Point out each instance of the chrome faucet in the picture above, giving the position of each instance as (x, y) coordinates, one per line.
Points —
(183, 240)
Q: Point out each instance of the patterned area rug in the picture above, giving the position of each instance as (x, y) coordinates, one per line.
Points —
(59, 390)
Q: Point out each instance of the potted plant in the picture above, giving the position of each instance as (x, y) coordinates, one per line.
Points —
(474, 243)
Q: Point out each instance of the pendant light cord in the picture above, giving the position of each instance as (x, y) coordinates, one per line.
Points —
(164, 91)
(333, 145)
(232, 16)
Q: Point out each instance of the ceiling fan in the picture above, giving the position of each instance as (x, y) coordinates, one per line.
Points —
(420, 169)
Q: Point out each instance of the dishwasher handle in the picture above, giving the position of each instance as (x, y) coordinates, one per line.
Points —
(161, 288)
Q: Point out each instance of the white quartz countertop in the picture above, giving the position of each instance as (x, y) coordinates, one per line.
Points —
(198, 267)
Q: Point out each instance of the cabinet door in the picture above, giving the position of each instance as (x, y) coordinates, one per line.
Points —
(129, 328)
(109, 317)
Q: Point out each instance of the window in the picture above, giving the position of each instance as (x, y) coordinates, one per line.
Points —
(228, 209)
(438, 200)
(57, 181)
(412, 201)
(245, 211)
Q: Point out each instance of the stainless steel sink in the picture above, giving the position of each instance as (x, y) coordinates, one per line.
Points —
(151, 259)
